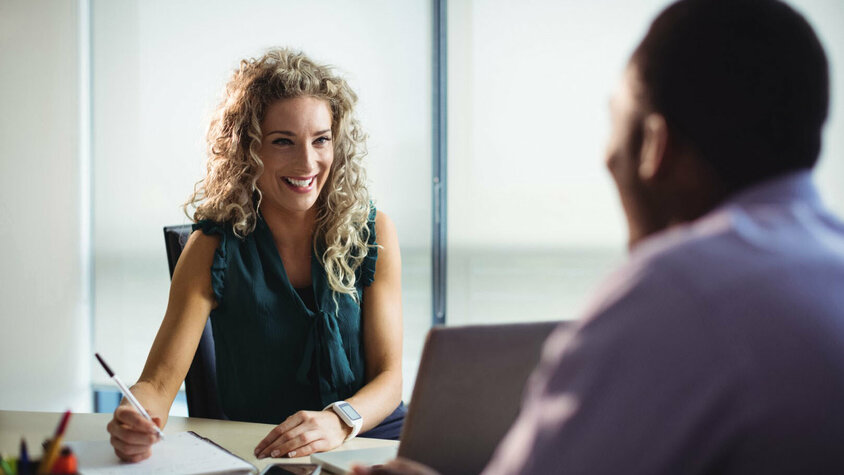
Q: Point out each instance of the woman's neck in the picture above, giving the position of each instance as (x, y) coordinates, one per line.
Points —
(291, 230)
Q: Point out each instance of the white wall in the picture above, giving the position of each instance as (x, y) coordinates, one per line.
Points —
(529, 91)
(827, 17)
(44, 331)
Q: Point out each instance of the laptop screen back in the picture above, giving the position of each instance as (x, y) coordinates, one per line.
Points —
(468, 392)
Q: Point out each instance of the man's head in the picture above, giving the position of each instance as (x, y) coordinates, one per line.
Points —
(719, 95)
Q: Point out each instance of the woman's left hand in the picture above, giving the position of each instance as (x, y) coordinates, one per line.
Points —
(304, 433)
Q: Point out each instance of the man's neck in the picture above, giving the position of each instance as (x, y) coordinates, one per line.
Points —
(668, 209)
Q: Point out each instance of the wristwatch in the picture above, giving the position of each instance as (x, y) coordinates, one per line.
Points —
(348, 415)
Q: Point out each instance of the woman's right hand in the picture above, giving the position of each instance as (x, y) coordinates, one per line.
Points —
(132, 436)
(191, 300)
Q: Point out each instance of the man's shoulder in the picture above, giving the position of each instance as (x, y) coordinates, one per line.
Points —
(738, 247)
(669, 265)
(712, 285)
(696, 248)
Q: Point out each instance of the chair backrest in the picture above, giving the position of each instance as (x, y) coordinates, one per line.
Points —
(201, 380)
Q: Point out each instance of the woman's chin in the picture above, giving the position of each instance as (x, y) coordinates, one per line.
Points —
(285, 201)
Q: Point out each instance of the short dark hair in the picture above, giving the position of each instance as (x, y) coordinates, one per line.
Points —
(743, 82)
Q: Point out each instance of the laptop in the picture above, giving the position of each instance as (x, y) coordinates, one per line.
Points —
(467, 395)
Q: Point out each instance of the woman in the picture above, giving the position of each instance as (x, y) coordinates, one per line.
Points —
(304, 305)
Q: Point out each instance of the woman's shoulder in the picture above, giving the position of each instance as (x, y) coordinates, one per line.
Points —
(222, 233)
(383, 230)
(382, 242)
(382, 222)
(380, 226)
(210, 247)
(211, 228)
(205, 244)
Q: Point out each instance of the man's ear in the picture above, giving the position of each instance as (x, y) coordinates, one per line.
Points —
(652, 160)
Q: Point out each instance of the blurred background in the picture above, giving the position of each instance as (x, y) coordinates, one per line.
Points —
(103, 110)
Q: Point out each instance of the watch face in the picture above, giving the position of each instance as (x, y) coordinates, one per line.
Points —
(349, 411)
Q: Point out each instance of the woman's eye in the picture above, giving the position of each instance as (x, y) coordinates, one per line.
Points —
(282, 141)
(322, 140)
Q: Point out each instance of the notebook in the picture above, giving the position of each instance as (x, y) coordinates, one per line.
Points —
(467, 394)
(179, 453)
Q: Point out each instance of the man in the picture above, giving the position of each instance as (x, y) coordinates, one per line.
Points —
(719, 346)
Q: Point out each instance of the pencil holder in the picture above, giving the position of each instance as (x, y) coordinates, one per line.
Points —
(63, 465)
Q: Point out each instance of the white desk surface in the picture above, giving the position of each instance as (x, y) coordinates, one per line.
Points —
(239, 438)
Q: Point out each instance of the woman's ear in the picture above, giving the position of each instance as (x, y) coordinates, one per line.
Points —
(652, 159)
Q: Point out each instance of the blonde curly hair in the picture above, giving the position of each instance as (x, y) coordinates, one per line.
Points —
(229, 194)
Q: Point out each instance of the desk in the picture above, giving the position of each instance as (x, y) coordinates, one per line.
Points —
(239, 438)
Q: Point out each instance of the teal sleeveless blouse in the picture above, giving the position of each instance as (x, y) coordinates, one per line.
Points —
(275, 356)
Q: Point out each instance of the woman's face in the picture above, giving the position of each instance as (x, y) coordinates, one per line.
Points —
(297, 151)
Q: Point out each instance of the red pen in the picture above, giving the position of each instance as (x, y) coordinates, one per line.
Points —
(55, 446)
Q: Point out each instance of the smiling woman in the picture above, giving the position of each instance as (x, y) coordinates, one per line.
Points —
(265, 98)
(296, 161)
(304, 303)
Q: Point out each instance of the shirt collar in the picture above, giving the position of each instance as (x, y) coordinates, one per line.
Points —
(786, 188)
(789, 188)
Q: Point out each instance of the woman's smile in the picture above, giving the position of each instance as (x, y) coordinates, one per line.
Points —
(300, 184)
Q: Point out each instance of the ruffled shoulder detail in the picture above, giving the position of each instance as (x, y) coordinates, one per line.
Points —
(367, 267)
(220, 263)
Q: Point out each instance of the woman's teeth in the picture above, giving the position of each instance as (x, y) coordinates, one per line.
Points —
(299, 183)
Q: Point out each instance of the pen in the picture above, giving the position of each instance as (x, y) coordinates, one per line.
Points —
(5, 467)
(55, 445)
(128, 394)
(23, 459)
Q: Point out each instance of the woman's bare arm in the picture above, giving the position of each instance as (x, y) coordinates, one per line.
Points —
(382, 331)
(191, 300)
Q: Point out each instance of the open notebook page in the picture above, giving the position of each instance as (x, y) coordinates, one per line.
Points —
(178, 453)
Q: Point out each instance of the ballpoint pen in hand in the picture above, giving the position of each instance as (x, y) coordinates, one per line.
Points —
(128, 394)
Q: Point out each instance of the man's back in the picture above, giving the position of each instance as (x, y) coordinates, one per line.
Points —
(719, 347)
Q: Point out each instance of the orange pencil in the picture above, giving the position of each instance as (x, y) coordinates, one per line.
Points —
(52, 452)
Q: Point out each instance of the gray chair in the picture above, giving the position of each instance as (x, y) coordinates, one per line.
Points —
(201, 380)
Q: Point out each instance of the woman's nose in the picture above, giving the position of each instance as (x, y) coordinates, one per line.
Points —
(307, 156)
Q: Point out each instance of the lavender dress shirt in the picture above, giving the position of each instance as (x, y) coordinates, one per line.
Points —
(717, 348)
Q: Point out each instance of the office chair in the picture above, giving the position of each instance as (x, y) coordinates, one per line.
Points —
(201, 380)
